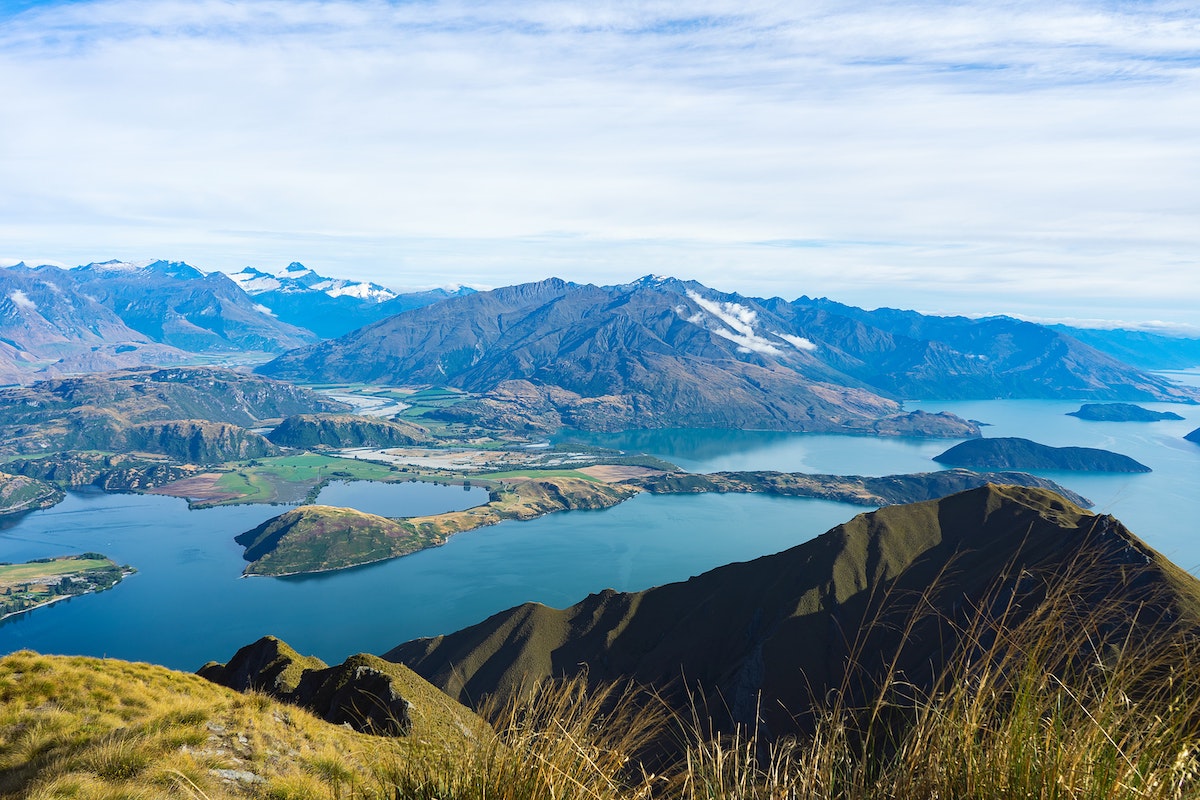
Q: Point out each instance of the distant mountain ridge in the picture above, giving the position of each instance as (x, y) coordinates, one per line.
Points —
(115, 314)
(661, 352)
(331, 307)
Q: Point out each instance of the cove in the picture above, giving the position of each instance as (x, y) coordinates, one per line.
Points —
(407, 499)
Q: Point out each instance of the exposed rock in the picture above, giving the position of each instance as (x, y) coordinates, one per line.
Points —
(365, 692)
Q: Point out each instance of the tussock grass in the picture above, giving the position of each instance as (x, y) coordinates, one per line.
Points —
(1055, 688)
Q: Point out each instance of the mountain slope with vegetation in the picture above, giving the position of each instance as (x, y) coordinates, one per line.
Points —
(764, 643)
(90, 411)
(346, 430)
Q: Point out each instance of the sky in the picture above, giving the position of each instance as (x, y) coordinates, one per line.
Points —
(1039, 159)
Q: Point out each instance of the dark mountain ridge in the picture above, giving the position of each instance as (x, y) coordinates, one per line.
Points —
(761, 642)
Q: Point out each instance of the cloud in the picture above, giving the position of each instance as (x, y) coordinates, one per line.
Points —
(738, 317)
(22, 300)
(880, 153)
(799, 342)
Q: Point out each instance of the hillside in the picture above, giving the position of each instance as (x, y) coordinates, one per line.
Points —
(87, 727)
(48, 326)
(918, 355)
(323, 538)
(92, 410)
(178, 305)
(346, 430)
(19, 493)
(1009, 452)
(773, 636)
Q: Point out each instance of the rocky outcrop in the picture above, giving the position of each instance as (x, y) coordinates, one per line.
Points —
(1015, 453)
(365, 692)
(1120, 412)
(341, 431)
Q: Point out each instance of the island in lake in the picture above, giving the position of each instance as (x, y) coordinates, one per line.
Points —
(1010, 452)
(24, 587)
(1120, 412)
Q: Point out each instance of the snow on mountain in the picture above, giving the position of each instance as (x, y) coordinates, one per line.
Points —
(296, 277)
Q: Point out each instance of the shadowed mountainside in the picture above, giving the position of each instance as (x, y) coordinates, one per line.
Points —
(771, 636)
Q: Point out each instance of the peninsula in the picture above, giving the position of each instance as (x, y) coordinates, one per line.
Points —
(24, 587)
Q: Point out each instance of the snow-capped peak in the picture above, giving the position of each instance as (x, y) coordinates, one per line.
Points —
(297, 278)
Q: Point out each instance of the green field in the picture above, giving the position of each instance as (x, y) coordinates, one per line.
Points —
(292, 478)
(23, 573)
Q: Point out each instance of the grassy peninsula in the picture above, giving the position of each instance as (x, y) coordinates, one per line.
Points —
(323, 538)
(24, 587)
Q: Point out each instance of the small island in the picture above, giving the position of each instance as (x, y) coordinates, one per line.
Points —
(1014, 453)
(37, 583)
(1120, 412)
(1194, 436)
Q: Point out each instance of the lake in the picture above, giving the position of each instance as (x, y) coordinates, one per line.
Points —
(188, 603)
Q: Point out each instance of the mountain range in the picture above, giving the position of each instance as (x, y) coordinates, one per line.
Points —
(114, 314)
(660, 352)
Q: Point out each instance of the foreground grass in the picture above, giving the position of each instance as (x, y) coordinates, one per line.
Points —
(1073, 701)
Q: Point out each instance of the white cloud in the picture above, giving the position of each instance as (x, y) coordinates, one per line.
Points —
(1022, 154)
(799, 342)
(738, 317)
(22, 300)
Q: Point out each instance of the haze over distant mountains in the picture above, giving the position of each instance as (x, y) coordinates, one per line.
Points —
(660, 352)
(116, 314)
(331, 307)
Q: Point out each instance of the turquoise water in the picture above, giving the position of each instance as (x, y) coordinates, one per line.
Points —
(188, 603)
(408, 499)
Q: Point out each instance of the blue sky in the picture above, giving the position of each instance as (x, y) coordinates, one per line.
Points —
(1032, 158)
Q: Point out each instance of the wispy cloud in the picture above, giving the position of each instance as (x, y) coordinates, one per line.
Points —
(882, 153)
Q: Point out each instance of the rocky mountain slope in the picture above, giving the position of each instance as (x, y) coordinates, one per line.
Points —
(50, 326)
(93, 411)
(650, 354)
(112, 314)
(877, 596)
(663, 352)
